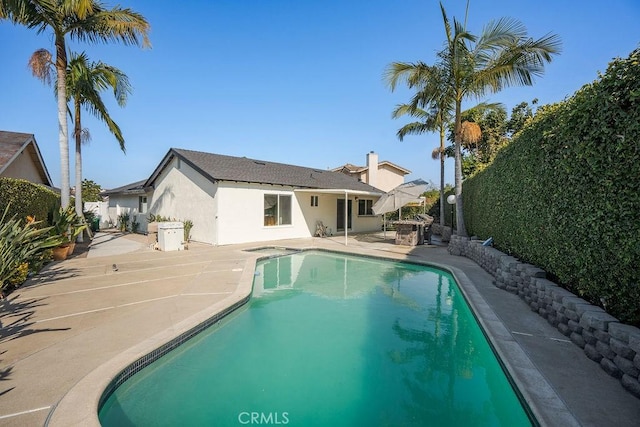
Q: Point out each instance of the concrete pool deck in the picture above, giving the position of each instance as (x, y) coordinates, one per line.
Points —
(68, 331)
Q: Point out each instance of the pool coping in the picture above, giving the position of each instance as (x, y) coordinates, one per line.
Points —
(79, 406)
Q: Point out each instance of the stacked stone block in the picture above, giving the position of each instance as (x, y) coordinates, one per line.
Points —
(485, 256)
(606, 341)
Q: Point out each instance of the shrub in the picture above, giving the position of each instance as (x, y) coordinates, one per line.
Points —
(123, 221)
(188, 225)
(27, 199)
(22, 248)
(564, 194)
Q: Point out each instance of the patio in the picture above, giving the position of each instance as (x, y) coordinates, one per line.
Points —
(86, 318)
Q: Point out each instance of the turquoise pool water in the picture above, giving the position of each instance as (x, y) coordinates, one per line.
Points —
(330, 340)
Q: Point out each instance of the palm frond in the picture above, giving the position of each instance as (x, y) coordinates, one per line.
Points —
(409, 109)
(471, 132)
(86, 80)
(414, 128)
(117, 24)
(41, 65)
(413, 74)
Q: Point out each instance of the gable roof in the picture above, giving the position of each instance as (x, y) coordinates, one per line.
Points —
(12, 144)
(133, 188)
(353, 169)
(217, 167)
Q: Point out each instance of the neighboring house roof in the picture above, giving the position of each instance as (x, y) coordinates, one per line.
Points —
(353, 169)
(218, 167)
(129, 189)
(12, 144)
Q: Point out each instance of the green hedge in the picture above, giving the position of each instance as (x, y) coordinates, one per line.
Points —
(26, 198)
(565, 194)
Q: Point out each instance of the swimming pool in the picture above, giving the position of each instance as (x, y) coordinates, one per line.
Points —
(329, 339)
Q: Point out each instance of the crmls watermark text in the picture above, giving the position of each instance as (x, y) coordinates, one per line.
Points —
(271, 418)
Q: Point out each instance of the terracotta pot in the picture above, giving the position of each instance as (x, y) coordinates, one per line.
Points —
(72, 247)
(60, 253)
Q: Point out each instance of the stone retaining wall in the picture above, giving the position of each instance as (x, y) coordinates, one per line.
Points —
(606, 341)
(443, 231)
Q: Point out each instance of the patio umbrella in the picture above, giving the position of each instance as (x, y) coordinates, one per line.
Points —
(400, 196)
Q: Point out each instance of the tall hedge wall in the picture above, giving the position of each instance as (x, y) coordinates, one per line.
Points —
(26, 198)
(565, 194)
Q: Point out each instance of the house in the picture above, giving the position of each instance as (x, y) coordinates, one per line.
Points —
(383, 175)
(236, 199)
(131, 198)
(20, 158)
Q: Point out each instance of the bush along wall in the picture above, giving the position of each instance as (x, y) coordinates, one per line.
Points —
(25, 239)
(613, 345)
(25, 199)
(564, 195)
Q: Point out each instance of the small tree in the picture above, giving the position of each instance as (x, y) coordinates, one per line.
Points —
(503, 55)
(91, 191)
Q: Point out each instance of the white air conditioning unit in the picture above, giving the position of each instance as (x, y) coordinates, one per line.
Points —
(170, 236)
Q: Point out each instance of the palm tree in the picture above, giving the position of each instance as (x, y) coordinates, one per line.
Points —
(502, 56)
(432, 95)
(86, 20)
(85, 81)
(429, 121)
(437, 118)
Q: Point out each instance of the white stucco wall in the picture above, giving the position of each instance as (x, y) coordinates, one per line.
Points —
(125, 203)
(241, 214)
(226, 212)
(182, 193)
(327, 212)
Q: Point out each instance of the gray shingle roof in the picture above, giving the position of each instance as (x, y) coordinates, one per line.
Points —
(133, 188)
(219, 167)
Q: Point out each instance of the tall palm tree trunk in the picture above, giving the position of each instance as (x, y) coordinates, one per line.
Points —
(442, 200)
(63, 131)
(460, 228)
(78, 163)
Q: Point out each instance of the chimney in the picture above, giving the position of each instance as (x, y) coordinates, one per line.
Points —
(372, 172)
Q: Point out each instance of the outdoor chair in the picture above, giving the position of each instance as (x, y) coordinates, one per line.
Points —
(321, 230)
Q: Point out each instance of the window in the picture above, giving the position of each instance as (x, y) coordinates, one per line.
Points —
(142, 204)
(277, 209)
(364, 207)
(314, 200)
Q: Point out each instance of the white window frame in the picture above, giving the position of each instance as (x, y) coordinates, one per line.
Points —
(142, 204)
(278, 214)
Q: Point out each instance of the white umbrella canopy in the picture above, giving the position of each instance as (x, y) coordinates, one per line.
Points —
(400, 196)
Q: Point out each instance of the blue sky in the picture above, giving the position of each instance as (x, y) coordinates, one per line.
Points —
(296, 82)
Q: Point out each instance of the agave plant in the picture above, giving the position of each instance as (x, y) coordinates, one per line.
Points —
(22, 243)
(67, 224)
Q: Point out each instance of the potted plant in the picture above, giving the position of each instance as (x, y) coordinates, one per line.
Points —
(60, 227)
(66, 224)
(75, 228)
